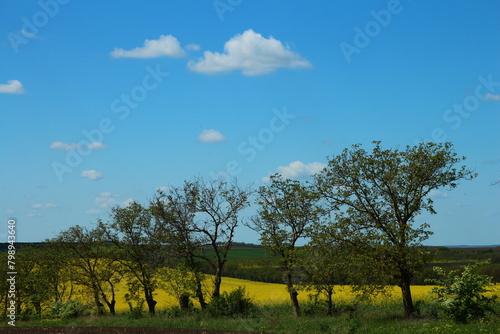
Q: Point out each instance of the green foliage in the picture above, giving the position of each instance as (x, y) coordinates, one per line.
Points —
(136, 311)
(234, 303)
(72, 308)
(374, 198)
(462, 295)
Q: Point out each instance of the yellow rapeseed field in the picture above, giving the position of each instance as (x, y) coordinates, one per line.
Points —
(266, 293)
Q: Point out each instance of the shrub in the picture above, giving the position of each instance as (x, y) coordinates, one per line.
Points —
(462, 295)
(71, 308)
(231, 304)
(137, 311)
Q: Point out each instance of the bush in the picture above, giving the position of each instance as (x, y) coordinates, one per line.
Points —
(71, 308)
(462, 295)
(231, 304)
(136, 312)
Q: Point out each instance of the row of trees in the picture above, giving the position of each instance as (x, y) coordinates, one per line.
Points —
(356, 217)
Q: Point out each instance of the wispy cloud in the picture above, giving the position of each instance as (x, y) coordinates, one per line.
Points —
(250, 53)
(437, 194)
(35, 214)
(193, 47)
(107, 199)
(165, 46)
(211, 136)
(492, 97)
(12, 87)
(96, 146)
(92, 174)
(44, 206)
(59, 145)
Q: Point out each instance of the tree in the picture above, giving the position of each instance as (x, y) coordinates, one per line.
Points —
(45, 278)
(175, 209)
(325, 266)
(139, 242)
(217, 205)
(286, 209)
(95, 268)
(375, 198)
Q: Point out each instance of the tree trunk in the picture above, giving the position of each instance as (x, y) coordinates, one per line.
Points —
(199, 294)
(111, 306)
(150, 301)
(217, 283)
(293, 295)
(98, 304)
(184, 301)
(330, 302)
(407, 299)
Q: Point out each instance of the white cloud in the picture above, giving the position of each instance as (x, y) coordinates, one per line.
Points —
(28, 34)
(211, 136)
(107, 199)
(92, 211)
(34, 214)
(162, 188)
(437, 194)
(492, 97)
(252, 54)
(59, 145)
(44, 206)
(165, 46)
(91, 174)
(12, 87)
(298, 170)
(96, 146)
(193, 47)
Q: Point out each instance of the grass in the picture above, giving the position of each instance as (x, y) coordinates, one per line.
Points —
(378, 318)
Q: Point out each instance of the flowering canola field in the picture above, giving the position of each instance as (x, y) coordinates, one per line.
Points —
(268, 293)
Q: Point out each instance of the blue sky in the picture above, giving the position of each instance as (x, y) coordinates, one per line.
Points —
(103, 102)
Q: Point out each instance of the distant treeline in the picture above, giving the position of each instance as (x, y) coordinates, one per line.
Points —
(249, 261)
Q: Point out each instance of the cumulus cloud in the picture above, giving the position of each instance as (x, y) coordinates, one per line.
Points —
(211, 136)
(162, 188)
(165, 46)
(59, 145)
(298, 170)
(492, 97)
(91, 174)
(250, 53)
(12, 87)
